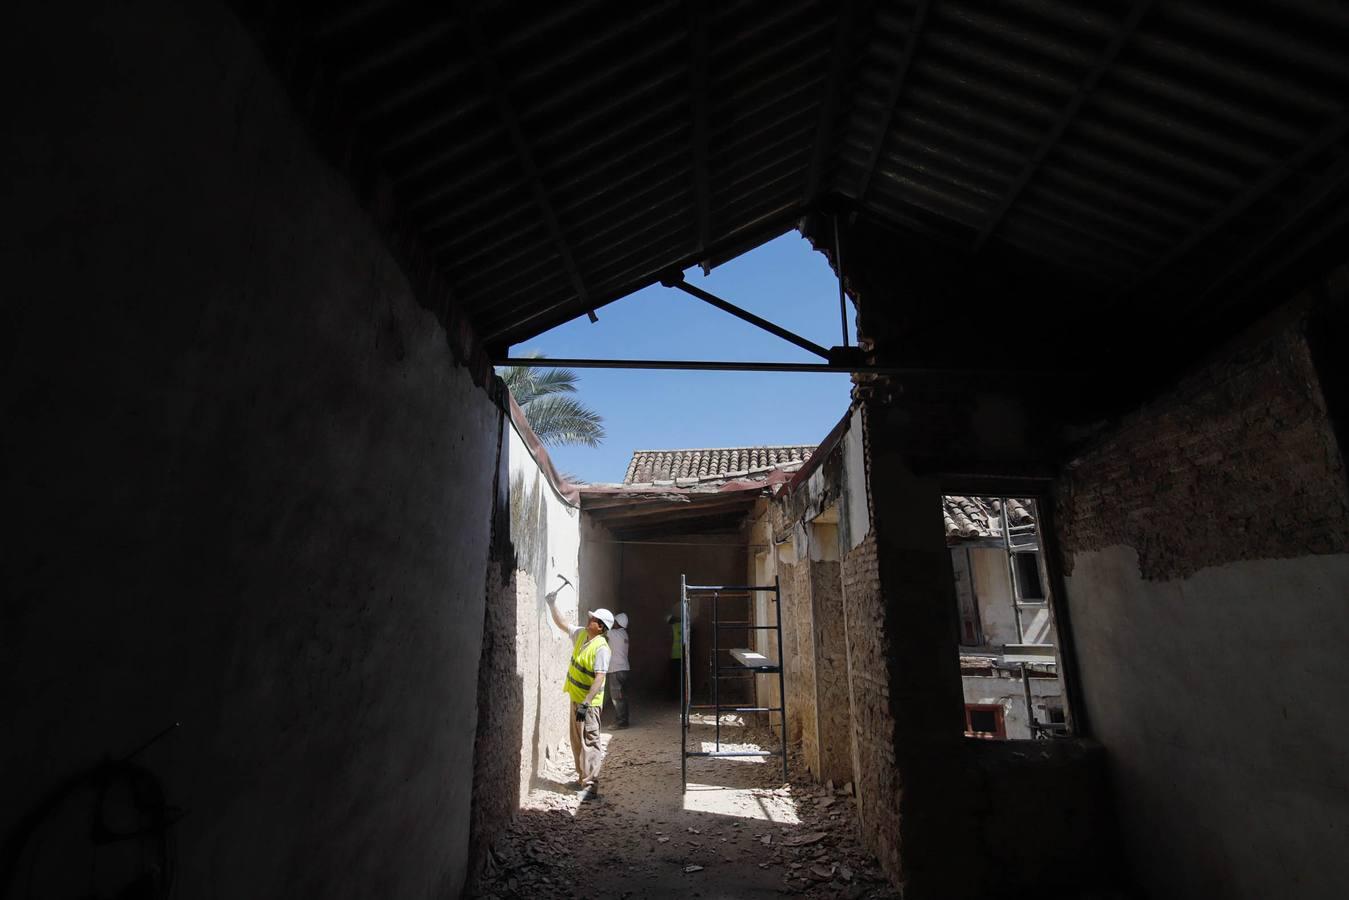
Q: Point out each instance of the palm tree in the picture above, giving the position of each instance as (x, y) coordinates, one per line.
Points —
(558, 420)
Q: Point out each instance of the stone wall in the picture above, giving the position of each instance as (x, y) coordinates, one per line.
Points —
(251, 487)
(873, 725)
(833, 721)
(1206, 538)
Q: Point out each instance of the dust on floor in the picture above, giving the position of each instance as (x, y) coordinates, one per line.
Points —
(738, 832)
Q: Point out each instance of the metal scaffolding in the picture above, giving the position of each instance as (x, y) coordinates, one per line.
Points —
(744, 661)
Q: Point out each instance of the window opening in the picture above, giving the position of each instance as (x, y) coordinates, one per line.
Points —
(985, 721)
(1029, 587)
(1008, 646)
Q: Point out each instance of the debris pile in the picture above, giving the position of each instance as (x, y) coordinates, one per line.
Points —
(740, 832)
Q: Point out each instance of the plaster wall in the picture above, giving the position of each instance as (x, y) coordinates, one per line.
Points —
(1008, 693)
(993, 593)
(649, 592)
(1209, 811)
(1207, 543)
(251, 488)
(522, 709)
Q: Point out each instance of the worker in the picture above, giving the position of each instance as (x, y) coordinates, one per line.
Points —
(584, 685)
(619, 669)
(676, 650)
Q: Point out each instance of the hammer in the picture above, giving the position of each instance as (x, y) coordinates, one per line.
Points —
(552, 595)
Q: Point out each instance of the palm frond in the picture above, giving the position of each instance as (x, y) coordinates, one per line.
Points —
(561, 421)
(527, 383)
(555, 381)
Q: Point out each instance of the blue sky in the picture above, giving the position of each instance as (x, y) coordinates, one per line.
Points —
(783, 281)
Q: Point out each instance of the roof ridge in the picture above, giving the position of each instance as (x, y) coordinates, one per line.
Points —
(742, 447)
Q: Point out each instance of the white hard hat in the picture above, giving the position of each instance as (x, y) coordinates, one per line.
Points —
(622, 620)
(604, 616)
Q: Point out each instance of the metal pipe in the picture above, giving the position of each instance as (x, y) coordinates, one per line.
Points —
(699, 365)
(683, 693)
(1030, 710)
(1011, 571)
(728, 307)
(782, 670)
(738, 708)
(842, 296)
(716, 675)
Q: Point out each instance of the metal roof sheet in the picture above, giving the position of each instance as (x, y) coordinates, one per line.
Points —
(557, 158)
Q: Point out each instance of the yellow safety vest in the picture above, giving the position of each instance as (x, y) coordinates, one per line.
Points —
(677, 647)
(581, 672)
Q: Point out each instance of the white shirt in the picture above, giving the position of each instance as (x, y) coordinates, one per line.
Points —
(618, 642)
(601, 655)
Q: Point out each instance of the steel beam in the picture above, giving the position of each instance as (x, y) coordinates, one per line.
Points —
(700, 365)
(727, 307)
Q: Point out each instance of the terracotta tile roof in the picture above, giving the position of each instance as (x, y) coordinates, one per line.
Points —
(711, 464)
(981, 517)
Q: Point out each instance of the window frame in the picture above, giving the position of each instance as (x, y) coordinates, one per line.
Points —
(999, 734)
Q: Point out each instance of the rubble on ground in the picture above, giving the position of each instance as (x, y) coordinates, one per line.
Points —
(638, 839)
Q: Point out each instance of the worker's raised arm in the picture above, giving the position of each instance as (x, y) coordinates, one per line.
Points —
(560, 622)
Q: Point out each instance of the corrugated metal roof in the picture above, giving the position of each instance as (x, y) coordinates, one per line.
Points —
(554, 159)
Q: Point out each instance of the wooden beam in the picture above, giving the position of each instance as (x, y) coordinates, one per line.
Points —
(752, 235)
(699, 59)
(667, 514)
(1335, 130)
(892, 95)
(1065, 118)
(824, 130)
(1325, 188)
(496, 88)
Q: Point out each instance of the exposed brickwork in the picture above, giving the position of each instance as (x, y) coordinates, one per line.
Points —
(799, 647)
(873, 725)
(1238, 462)
(834, 758)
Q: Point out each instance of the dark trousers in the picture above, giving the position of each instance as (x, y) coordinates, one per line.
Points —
(617, 685)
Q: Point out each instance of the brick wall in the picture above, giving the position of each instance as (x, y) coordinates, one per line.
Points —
(834, 755)
(1238, 462)
(1205, 539)
(873, 726)
(799, 648)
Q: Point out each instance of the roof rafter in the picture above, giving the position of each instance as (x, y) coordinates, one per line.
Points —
(897, 80)
(1065, 118)
(824, 131)
(496, 87)
(1272, 178)
(750, 236)
(699, 58)
(1309, 203)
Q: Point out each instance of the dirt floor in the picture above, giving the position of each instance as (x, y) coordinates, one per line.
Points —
(737, 832)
